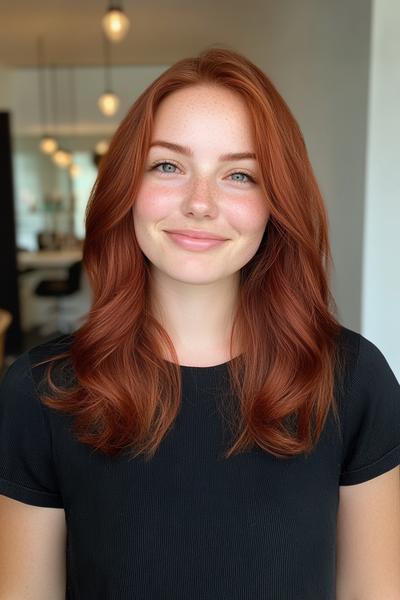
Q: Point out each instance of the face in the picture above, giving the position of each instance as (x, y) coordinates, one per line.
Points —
(200, 191)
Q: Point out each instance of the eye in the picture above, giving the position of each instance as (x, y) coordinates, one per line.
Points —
(159, 164)
(249, 177)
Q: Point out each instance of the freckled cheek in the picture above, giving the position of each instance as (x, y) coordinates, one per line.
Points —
(249, 217)
(245, 214)
(153, 203)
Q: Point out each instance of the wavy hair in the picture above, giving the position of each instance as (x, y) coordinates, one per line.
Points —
(124, 394)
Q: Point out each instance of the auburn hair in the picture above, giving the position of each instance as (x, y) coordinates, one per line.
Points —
(123, 393)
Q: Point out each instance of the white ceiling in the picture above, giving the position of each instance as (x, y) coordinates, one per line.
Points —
(162, 31)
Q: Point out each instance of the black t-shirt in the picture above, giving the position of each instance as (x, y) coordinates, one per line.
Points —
(189, 524)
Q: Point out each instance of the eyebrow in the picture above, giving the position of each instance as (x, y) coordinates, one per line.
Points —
(188, 152)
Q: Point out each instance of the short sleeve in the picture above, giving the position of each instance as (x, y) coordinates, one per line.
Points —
(27, 470)
(371, 418)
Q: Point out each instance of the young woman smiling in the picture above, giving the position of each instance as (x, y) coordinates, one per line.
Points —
(211, 430)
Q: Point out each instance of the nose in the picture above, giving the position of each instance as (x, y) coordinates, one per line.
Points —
(201, 198)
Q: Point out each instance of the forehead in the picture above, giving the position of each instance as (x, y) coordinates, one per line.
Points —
(204, 112)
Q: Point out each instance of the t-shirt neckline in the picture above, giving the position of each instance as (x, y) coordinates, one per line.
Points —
(219, 366)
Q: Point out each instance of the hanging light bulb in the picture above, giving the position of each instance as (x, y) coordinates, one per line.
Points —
(115, 23)
(48, 144)
(108, 103)
(62, 158)
(74, 170)
(101, 147)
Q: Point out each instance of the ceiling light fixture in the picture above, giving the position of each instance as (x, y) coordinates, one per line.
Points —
(52, 145)
(101, 147)
(62, 158)
(115, 23)
(108, 102)
(48, 143)
(74, 170)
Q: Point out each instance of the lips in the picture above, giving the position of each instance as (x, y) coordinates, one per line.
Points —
(194, 244)
(202, 235)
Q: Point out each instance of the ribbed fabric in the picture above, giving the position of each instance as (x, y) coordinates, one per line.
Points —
(189, 524)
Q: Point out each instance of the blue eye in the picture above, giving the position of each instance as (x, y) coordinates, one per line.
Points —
(245, 174)
(161, 164)
(164, 163)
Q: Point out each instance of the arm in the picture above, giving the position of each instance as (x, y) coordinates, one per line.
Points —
(368, 539)
(32, 551)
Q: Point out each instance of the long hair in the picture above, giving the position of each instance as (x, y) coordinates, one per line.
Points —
(124, 395)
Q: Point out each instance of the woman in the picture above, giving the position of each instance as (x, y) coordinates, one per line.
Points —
(211, 430)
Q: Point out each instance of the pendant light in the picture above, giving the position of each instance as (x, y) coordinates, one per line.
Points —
(115, 22)
(108, 102)
(61, 157)
(101, 147)
(47, 144)
(100, 150)
(74, 169)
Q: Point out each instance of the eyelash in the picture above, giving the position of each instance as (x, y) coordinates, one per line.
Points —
(168, 162)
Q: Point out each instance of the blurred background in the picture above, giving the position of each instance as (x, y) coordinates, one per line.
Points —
(69, 71)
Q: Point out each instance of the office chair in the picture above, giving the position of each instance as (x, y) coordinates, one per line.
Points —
(59, 289)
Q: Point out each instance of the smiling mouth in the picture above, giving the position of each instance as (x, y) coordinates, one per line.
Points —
(195, 234)
(192, 243)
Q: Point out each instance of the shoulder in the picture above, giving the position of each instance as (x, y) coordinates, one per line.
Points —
(26, 456)
(19, 384)
(23, 378)
(363, 359)
(371, 411)
(365, 363)
(49, 348)
(39, 357)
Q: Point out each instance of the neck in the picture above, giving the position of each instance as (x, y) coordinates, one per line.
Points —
(197, 317)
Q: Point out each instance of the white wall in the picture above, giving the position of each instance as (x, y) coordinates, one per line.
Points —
(317, 53)
(381, 269)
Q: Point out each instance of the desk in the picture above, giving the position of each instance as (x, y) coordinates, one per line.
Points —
(47, 259)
